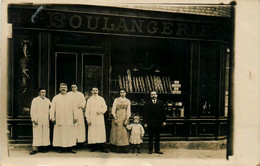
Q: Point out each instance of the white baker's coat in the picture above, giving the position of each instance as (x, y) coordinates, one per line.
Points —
(63, 110)
(80, 102)
(96, 131)
(40, 113)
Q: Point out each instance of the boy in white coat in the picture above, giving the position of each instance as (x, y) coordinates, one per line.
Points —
(40, 119)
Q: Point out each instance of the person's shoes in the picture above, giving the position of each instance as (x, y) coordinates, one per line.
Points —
(159, 152)
(33, 152)
(71, 151)
(60, 151)
(150, 152)
(105, 150)
(43, 150)
(139, 150)
(92, 149)
(80, 145)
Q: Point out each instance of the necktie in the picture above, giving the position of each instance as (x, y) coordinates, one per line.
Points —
(154, 101)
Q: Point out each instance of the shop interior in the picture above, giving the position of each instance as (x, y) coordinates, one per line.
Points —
(142, 65)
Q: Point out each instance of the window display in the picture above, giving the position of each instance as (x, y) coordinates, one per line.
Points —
(145, 70)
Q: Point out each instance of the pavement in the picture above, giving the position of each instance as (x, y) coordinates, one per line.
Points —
(176, 153)
(168, 153)
(19, 155)
(171, 149)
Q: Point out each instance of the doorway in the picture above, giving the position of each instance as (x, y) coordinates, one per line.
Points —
(82, 67)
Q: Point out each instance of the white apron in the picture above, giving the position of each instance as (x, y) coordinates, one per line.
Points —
(40, 113)
(63, 111)
(96, 131)
(79, 101)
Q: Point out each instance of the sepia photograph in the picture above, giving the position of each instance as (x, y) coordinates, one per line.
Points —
(130, 83)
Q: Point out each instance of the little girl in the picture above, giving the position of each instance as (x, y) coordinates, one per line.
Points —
(137, 133)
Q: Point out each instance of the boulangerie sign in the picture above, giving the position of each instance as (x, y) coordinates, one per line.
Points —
(116, 24)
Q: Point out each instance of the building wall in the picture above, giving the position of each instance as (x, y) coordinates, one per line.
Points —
(197, 124)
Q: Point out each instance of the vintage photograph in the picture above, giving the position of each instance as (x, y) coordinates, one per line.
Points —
(121, 80)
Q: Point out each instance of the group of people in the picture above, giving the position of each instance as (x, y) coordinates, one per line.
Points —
(66, 112)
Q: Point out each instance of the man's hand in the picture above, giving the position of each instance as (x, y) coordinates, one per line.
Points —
(145, 125)
(74, 120)
(89, 122)
(125, 122)
(53, 121)
(99, 112)
(116, 122)
(163, 124)
(35, 122)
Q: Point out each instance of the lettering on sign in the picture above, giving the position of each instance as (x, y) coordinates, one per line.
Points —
(111, 24)
(56, 20)
(125, 25)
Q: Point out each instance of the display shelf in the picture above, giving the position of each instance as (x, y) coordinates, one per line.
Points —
(139, 86)
(145, 93)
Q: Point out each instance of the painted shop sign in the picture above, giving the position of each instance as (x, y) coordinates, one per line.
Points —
(118, 25)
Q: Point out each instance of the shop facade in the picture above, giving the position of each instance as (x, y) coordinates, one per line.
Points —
(184, 57)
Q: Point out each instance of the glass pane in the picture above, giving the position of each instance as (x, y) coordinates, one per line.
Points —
(209, 79)
(93, 72)
(66, 68)
(147, 65)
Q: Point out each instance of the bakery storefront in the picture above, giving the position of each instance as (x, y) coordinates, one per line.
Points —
(184, 57)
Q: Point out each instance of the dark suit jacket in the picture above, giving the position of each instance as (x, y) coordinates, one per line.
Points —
(154, 114)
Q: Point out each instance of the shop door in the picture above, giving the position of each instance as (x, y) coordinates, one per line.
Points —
(66, 68)
(84, 68)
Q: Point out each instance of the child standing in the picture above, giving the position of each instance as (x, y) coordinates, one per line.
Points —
(137, 133)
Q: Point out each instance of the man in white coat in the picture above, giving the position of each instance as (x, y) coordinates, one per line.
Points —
(63, 115)
(95, 109)
(40, 119)
(80, 102)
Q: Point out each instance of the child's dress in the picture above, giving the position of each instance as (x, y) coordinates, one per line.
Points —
(137, 132)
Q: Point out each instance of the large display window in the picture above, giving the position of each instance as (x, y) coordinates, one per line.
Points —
(143, 65)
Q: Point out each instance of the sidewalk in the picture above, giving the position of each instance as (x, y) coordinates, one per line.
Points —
(172, 149)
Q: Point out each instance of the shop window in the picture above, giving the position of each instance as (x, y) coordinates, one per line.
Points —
(66, 68)
(93, 72)
(140, 66)
(84, 68)
(209, 79)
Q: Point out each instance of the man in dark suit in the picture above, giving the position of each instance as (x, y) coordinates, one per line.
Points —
(154, 119)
